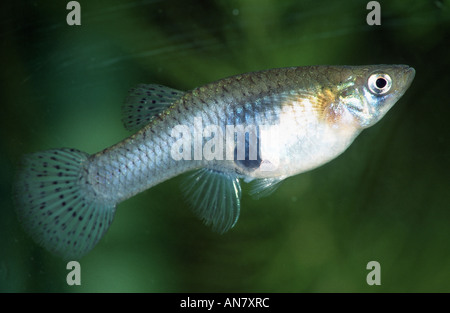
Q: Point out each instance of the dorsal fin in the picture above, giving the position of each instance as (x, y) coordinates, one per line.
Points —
(146, 101)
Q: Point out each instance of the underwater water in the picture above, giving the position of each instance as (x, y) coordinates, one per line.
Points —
(386, 199)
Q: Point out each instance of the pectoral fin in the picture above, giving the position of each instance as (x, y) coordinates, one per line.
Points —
(215, 197)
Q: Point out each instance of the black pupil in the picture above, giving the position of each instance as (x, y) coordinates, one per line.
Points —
(381, 83)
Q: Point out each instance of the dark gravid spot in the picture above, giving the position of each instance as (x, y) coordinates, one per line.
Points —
(249, 162)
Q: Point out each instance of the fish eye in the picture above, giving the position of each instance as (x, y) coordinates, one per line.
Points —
(379, 83)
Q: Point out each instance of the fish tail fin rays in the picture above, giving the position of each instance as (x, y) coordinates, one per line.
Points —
(54, 205)
(146, 101)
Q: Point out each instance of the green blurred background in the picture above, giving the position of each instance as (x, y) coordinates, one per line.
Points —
(387, 198)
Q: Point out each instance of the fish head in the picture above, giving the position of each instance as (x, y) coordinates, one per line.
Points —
(368, 92)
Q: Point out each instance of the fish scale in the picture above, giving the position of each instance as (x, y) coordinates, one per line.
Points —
(292, 120)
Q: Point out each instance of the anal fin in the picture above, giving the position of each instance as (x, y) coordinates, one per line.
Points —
(215, 197)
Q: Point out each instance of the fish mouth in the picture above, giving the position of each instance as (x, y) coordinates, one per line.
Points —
(409, 73)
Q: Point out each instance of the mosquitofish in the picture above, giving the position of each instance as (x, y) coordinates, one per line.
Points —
(259, 128)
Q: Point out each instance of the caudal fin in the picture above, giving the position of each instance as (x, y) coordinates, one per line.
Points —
(54, 205)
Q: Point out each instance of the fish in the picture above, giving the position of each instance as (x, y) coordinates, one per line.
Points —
(258, 128)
